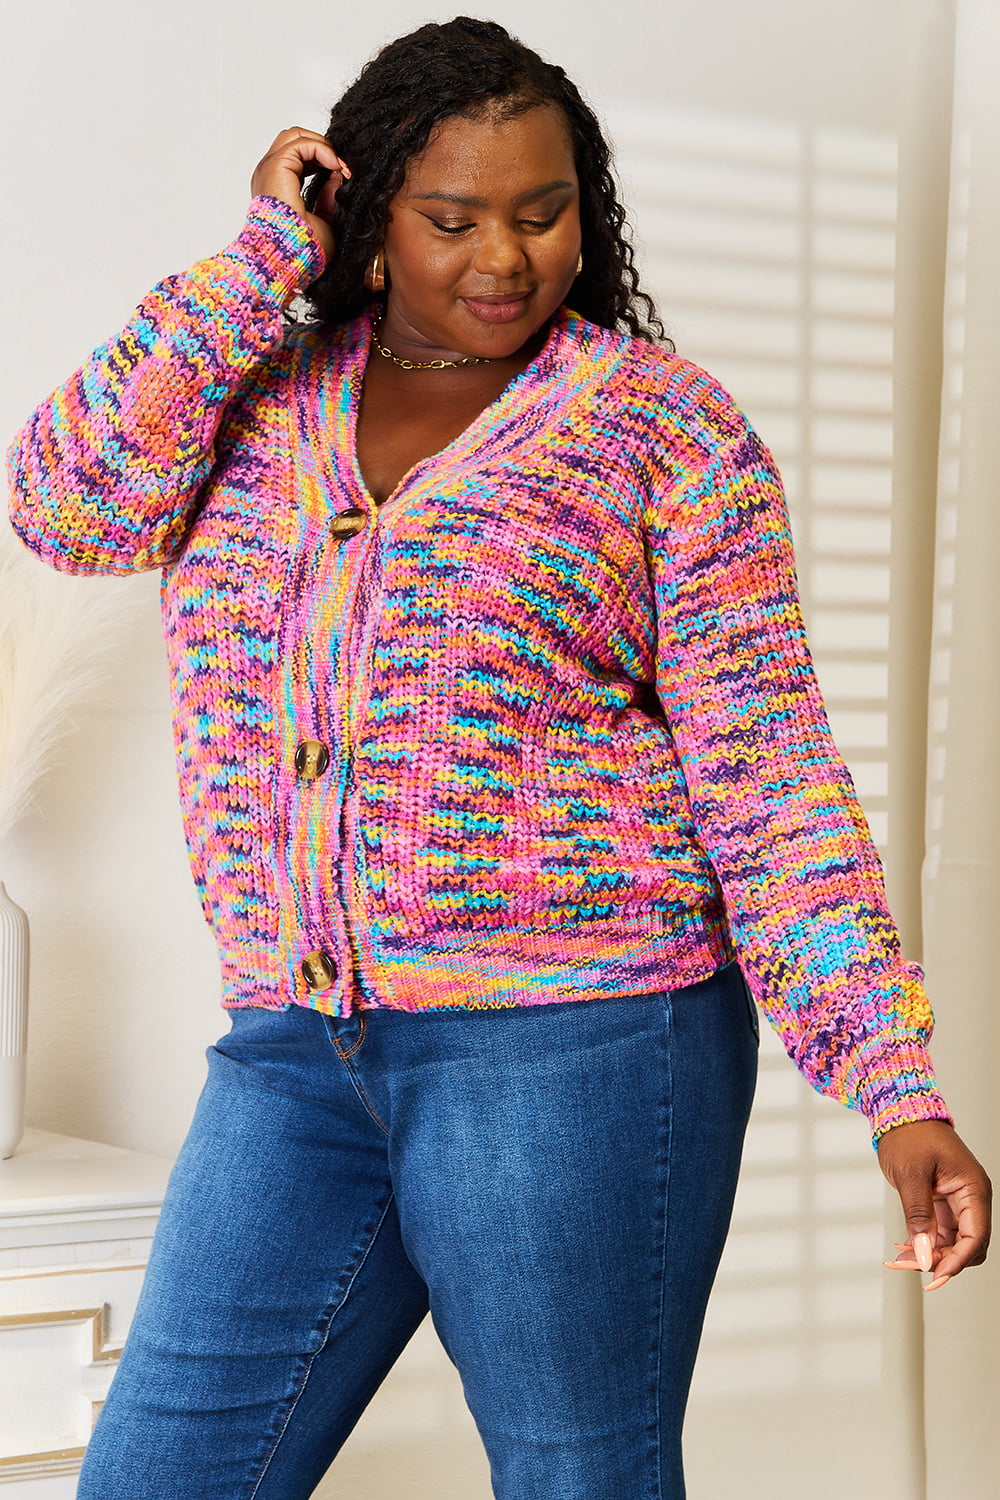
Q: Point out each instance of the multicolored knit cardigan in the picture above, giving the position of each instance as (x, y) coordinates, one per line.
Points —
(542, 726)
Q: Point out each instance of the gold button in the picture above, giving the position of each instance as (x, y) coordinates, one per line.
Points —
(311, 759)
(318, 970)
(349, 522)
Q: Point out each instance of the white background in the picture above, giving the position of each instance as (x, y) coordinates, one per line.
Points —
(757, 146)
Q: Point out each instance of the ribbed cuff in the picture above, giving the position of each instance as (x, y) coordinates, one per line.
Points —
(899, 1087)
(278, 247)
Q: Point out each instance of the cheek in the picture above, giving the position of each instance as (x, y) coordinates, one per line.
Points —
(559, 246)
(445, 263)
(431, 262)
(552, 258)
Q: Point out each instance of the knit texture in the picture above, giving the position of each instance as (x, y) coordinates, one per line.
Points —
(577, 748)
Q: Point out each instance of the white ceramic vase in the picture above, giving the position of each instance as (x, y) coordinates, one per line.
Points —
(13, 1021)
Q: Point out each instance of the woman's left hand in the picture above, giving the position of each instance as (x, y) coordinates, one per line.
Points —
(946, 1198)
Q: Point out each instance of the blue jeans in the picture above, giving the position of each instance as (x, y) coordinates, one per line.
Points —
(555, 1182)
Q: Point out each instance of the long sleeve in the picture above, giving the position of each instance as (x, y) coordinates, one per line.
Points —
(774, 804)
(106, 473)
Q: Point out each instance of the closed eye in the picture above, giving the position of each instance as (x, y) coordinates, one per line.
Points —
(461, 228)
(450, 228)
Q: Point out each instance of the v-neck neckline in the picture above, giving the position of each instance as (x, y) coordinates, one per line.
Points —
(490, 419)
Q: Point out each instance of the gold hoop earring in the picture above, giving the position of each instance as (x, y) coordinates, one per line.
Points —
(579, 263)
(375, 274)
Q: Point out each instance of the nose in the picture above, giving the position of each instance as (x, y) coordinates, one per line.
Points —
(500, 254)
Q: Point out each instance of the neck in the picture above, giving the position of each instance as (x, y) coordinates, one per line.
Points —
(404, 341)
(408, 362)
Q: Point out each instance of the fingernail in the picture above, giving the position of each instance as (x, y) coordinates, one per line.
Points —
(924, 1251)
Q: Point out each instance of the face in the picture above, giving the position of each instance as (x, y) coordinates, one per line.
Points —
(483, 237)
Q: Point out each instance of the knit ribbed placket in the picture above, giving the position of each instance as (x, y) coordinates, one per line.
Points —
(323, 627)
(331, 607)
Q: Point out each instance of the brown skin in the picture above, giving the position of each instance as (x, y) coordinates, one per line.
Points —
(280, 173)
(522, 235)
(504, 244)
(946, 1197)
(515, 238)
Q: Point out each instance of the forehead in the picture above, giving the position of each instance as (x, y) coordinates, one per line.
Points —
(492, 153)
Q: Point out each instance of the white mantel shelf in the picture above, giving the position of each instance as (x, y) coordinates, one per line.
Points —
(58, 1183)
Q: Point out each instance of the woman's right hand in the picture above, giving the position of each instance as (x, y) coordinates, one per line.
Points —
(294, 154)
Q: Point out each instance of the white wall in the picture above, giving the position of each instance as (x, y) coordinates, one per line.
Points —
(752, 137)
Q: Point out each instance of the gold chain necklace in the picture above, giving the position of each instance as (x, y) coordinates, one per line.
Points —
(429, 364)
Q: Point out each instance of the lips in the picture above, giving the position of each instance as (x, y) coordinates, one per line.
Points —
(501, 307)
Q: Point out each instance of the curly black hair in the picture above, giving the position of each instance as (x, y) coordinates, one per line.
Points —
(465, 67)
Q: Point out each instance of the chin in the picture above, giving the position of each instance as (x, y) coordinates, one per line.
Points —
(497, 340)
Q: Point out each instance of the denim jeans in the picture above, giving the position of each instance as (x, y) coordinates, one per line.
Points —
(554, 1182)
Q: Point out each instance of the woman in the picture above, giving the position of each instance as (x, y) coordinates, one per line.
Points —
(502, 760)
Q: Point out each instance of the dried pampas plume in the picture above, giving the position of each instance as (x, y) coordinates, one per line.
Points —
(56, 638)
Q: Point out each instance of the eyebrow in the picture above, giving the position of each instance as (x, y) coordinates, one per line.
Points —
(526, 197)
